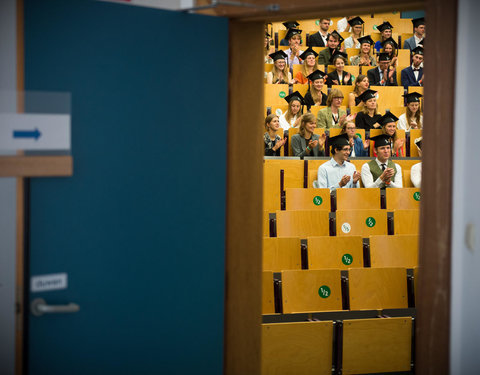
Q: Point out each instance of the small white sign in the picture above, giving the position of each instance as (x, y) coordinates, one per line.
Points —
(346, 228)
(24, 131)
(53, 281)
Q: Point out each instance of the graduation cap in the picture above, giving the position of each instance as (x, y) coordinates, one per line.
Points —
(381, 140)
(292, 32)
(391, 41)
(413, 97)
(336, 35)
(384, 26)
(417, 51)
(309, 51)
(418, 142)
(366, 39)
(295, 96)
(317, 74)
(366, 95)
(383, 56)
(356, 21)
(267, 35)
(278, 55)
(339, 140)
(290, 24)
(418, 21)
(387, 118)
(336, 54)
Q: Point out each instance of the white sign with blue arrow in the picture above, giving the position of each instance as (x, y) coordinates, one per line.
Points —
(25, 131)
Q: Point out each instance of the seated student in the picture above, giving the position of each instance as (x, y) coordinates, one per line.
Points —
(268, 49)
(381, 172)
(306, 142)
(412, 118)
(383, 75)
(386, 32)
(390, 47)
(364, 58)
(314, 95)
(416, 171)
(361, 85)
(309, 65)
(418, 34)
(320, 39)
(339, 76)
(288, 25)
(368, 118)
(331, 116)
(291, 117)
(280, 73)
(293, 53)
(413, 75)
(273, 142)
(353, 40)
(338, 172)
(357, 146)
(333, 42)
(389, 128)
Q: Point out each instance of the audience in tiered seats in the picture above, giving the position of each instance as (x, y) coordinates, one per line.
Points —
(306, 142)
(413, 117)
(338, 172)
(331, 116)
(382, 172)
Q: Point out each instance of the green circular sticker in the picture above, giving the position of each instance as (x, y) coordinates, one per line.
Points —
(353, 78)
(395, 12)
(370, 222)
(324, 291)
(359, 135)
(347, 259)
(375, 27)
(282, 94)
(317, 201)
(317, 22)
(416, 195)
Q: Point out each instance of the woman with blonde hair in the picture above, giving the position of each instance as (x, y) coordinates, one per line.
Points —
(280, 73)
(412, 118)
(306, 142)
(331, 116)
(368, 118)
(364, 58)
(273, 142)
(361, 85)
(308, 67)
(389, 127)
(357, 29)
(314, 95)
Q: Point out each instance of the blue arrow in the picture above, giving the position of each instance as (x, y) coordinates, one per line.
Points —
(27, 134)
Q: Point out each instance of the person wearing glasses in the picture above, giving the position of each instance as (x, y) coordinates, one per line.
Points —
(333, 115)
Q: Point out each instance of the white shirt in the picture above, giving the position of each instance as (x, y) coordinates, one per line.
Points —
(368, 182)
(417, 40)
(330, 173)
(284, 123)
(403, 124)
(295, 60)
(416, 174)
(416, 72)
(348, 43)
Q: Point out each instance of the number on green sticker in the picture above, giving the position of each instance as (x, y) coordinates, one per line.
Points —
(347, 259)
(324, 291)
(370, 222)
(416, 195)
(281, 94)
(317, 201)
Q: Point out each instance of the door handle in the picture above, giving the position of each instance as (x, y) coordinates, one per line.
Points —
(38, 307)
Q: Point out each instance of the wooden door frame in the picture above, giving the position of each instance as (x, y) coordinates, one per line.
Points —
(244, 176)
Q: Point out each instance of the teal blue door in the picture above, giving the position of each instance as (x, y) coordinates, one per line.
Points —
(139, 228)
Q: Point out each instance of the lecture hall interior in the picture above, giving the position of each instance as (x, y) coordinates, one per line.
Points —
(164, 211)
